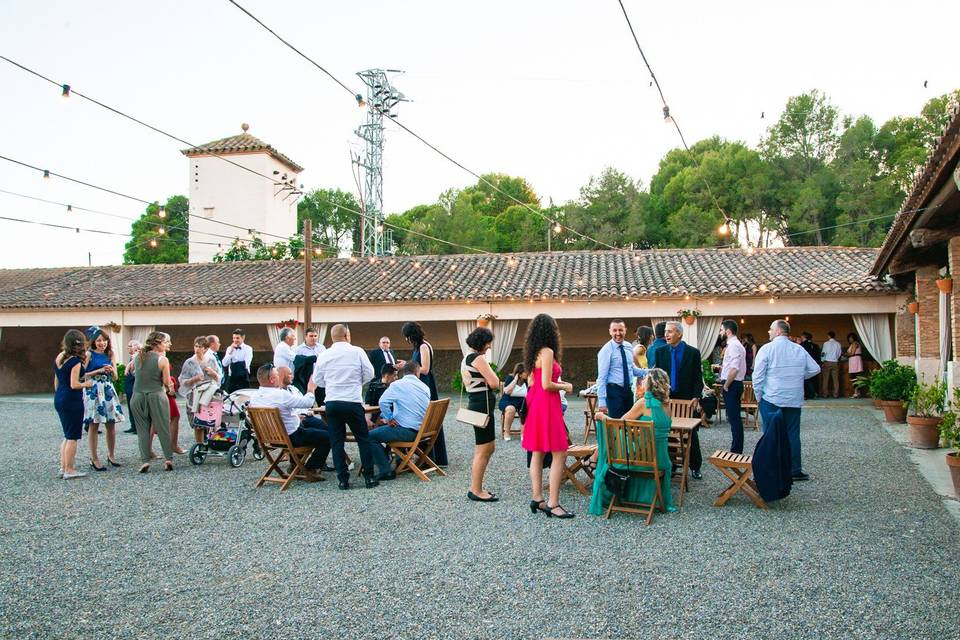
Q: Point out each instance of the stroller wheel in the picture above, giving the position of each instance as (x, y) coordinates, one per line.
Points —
(237, 455)
(198, 453)
(257, 453)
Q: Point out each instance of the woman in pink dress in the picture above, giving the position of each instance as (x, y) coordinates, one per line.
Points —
(854, 361)
(545, 430)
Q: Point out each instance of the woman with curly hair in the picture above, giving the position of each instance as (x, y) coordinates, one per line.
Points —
(101, 404)
(656, 394)
(68, 385)
(423, 353)
(545, 431)
(150, 406)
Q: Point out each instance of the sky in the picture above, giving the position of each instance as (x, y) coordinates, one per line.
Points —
(553, 91)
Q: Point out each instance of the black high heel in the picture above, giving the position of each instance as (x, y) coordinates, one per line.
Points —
(114, 464)
(551, 514)
(96, 468)
(537, 505)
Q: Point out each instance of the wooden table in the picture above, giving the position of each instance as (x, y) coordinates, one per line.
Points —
(589, 412)
(367, 408)
(682, 428)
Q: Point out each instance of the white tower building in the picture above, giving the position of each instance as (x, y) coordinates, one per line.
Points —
(222, 191)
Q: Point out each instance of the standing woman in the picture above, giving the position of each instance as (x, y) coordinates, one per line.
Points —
(423, 354)
(854, 355)
(68, 385)
(750, 345)
(129, 375)
(544, 430)
(150, 405)
(100, 402)
(199, 379)
(645, 338)
(480, 382)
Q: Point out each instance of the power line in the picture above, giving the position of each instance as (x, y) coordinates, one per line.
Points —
(420, 138)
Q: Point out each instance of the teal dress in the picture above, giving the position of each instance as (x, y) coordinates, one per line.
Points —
(639, 489)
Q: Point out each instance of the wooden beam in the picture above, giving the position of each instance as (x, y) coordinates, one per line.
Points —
(920, 238)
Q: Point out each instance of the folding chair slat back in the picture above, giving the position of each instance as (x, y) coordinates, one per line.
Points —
(275, 444)
(415, 455)
(631, 444)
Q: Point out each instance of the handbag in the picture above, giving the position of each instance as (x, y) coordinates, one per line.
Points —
(616, 482)
(477, 419)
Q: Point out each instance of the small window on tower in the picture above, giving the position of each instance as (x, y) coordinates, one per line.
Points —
(208, 212)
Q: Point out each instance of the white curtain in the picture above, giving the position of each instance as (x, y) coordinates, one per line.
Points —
(874, 332)
(708, 332)
(139, 334)
(944, 333)
(273, 334)
(464, 328)
(321, 332)
(504, 333)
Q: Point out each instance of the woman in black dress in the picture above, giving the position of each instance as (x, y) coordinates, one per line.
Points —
(423, 354)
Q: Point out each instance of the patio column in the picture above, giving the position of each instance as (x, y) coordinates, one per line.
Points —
(906, 328)
(953, 249)
(928, 323)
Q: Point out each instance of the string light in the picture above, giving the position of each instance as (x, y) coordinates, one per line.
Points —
(557, 228)
(666, 115)
(46, 174)
(69, 208)
(65, 90)
(750, 249)
(724, 228)
(161, 231)
(762, 287)
(770, 300)
(416, 264)
(317, 251)
(153, 243)
(163, 212)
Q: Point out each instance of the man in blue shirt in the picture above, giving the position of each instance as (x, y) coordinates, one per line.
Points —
(778, 374)
(614, 370)
(402, 408)
(659, 341)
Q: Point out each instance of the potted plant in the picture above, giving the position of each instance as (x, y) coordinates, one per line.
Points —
(913, 306)
(862, 384)
(290, 324)
(483, 320)
(945, 283)
(950, 433)
(689, 315)
(926, 413)
(892, 385)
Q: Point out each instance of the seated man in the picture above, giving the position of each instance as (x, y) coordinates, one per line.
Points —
(304, 431)
(402, 408)
(388, 374)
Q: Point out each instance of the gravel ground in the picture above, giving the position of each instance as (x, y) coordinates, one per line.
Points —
(865, 550)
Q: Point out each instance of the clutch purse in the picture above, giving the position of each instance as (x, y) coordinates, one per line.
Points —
(471, 417)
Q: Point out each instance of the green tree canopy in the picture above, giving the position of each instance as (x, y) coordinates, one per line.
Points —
(335, 222)
(171, 245)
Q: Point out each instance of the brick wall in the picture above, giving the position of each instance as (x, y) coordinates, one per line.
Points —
(954, 261)
(906, 334)
(929, 298)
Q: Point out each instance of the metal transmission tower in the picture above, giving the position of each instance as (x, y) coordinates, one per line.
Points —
(382, 100)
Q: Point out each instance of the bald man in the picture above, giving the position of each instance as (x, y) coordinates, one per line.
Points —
(342, 370)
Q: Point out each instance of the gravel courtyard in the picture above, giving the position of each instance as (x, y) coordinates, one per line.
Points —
(865, 550)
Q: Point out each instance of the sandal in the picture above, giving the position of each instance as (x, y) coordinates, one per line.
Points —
(144, 468)
(168, 465)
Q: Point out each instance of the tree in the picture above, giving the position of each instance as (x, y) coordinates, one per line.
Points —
(609, 209)
(333, 214)
(171, 245)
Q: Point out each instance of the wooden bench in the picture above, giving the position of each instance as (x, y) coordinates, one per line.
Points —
(738, 467)
(275, 444)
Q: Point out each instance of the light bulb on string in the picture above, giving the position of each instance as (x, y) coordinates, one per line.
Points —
(762, 287)
(46, 174)
(360, 101)
(163, 212)
(666, 115)
(69, 208)
(750, 249)
(65, 90)
(770, 300)
(557, 227)
(724, 228)
(316, 251)
(153, 243)
(161, 231)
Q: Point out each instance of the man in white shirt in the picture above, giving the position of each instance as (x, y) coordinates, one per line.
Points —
(311, 344)
(304, 431)
(283, 353)
(829, 363)
(342, 370)
(237, 361)
(732, 372)
(778, 374)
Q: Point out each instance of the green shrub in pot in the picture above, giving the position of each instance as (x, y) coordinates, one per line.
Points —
(893, 381)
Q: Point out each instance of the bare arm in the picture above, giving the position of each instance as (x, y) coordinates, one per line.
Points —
(546, 368)
(75, 379)
(480, 363)
(164, 365)
(424, 359)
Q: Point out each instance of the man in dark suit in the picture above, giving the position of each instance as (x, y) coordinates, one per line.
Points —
(384, 355)
(811, 385)
(682, 363)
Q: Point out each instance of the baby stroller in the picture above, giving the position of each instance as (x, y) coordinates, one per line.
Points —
(227, 432)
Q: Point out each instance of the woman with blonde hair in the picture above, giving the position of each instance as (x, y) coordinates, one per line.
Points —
(150, 406)
(656, 385)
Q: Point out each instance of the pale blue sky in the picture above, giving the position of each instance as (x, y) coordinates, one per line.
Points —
(551, 91)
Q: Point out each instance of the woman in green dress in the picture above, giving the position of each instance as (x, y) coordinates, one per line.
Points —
(656, 386)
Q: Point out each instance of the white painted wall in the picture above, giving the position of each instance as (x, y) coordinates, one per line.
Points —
(220, 191)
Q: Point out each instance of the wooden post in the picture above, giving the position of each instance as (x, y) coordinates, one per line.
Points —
(307, 273)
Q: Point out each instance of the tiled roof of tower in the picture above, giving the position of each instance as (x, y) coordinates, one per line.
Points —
(572, 275)
(242, 143)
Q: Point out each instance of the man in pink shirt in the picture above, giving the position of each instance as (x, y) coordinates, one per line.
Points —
(731, 376)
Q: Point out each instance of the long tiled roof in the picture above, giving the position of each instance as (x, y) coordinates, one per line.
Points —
(573, 275)
(928, 178)
(242, 143)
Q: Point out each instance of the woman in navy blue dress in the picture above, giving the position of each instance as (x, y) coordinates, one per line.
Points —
(423, 354)
(68, 386)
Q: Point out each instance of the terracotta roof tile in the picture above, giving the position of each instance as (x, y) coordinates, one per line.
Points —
(242, 143)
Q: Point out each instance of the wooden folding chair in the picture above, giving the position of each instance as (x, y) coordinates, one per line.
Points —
(738, 467)
(276, 447)
(749, 406)
(588, 413)
(415, 456)
(631, 444)
(577, 456)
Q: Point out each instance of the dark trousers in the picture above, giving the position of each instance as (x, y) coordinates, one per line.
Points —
(619, 400)
(791, 422)
(731, 398)
(340, 415)
(313, 433)
(811, 386)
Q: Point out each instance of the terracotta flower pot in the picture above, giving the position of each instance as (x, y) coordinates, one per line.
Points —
(945, 284)
(913, 307)
(893, 410)
(876, 403)
(924, 433)
(689, 319)
(483, 322)
(953, 463)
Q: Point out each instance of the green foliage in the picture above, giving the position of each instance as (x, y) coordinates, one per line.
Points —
(927, 400)
(950, 425)
(893, 381)
(709, 377)
(118, 383)
(610, 209)
(172, 245)
(456, 381)
(334, 220)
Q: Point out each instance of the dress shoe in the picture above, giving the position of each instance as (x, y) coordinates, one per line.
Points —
(328, 468)
(390, 475)
(130, 430)
(344, 485)
(475, 498)
(695, 474)
(370, 483)
(800, 477)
